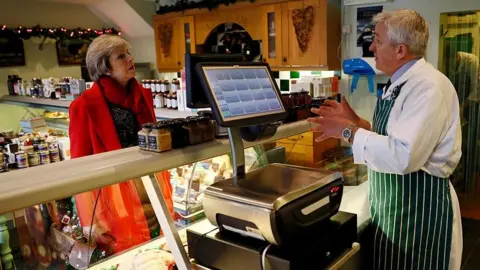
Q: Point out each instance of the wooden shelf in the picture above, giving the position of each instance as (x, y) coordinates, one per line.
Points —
(45, 103)
(26, 187)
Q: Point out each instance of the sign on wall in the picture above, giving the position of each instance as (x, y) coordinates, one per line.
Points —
(12, 52)
(365, 28)
(71, 51)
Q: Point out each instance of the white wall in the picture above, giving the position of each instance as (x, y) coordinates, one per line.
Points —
(362, 100)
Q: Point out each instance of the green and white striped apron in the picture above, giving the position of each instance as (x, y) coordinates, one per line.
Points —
(412, 214)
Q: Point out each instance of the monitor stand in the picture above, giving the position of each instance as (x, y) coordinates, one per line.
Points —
(238, 152)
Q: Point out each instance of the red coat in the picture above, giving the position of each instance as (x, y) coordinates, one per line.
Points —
(119, 209)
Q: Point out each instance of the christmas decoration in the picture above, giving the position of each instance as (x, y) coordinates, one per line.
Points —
(166, 34)
(55, 33)
(303, 24)
(181, 5)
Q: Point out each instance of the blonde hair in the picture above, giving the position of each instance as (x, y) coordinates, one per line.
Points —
(99, 52)
(406, 26)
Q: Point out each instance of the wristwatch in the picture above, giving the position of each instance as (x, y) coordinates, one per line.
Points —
(347, 133)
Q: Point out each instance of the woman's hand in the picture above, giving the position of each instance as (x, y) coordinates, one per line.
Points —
(342, 110)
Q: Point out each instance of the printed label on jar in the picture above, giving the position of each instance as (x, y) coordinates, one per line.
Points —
(152, 143)
(174, 103)
(142, 141)
(169, 103)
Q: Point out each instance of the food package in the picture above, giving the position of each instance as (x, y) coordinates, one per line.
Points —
(153, 259)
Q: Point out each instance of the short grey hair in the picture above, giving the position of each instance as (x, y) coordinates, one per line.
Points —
(99, 52)
(406, 26)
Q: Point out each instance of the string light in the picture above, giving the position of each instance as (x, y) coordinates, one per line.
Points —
(57, 33)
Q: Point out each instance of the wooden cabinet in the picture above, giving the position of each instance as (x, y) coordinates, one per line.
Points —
(325, 35)
(249, 19)
(271, 23)
(270, 29)
(170, 54)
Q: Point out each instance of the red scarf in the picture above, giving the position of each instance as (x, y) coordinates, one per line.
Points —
(130, 98)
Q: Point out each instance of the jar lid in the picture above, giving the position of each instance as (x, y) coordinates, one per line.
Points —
(295, 94)
(147, 125)
(208, 114)
(161, 125)
(192, 119)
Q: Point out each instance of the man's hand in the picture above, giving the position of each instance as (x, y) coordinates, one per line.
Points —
(330, 125)
(342, 110)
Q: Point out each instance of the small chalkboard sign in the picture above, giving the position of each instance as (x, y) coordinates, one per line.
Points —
(12, 52)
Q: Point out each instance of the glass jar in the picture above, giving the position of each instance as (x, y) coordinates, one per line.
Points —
(158, 86)
(166, 86)
(194, 130)
(33, 159)
(143, 136)
(295, 99)
(303, 112)
(54, 155)
(208, 129)
(148, 84)
(44, 157)
(180, 136)
(22, 160)
(157, 102)
(175, 85)
(174, 101)
(287, 101)
(159, 139)
(306, 97)
(169, 101)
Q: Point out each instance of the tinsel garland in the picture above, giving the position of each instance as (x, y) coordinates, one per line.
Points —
(182, 5)
(55, 33)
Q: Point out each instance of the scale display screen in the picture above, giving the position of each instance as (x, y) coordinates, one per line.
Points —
(243, 92)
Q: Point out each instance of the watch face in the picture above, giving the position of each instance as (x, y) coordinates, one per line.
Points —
(347, 133)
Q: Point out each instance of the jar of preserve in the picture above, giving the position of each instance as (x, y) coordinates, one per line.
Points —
(22, 160)
(303, 112)
(169, 101)
(44, 157)
(54, 155)
(33, 159)
(307, 99)
(208, 129)
(166, 86)
(180, 136)
(295, 99)
(174, 101)
(175, 85)
(158, 86)
(148, 84)
(157, 101)
(194, 131)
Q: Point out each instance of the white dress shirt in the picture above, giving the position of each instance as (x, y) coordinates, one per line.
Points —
(423, 128)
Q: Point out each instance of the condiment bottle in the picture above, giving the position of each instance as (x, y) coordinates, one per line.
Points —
(194, 130)
(158, 87)
(148, 84)
(44, 157)
(175, 85)
(33, 159)
(143, 136)
(159, 139)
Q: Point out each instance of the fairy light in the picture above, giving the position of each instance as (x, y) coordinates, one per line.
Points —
(26, 33)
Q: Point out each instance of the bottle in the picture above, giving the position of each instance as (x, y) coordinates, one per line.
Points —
(10, 85)
(143, 83)
(169, 101)
(148, 85)
(166, 86)
(158, 101)
(174, 101)
(143, 136)
(175, 85)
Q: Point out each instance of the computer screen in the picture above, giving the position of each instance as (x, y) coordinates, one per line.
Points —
(242, 92)
(195, 95)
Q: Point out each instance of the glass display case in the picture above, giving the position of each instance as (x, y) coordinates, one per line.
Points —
(116, 210)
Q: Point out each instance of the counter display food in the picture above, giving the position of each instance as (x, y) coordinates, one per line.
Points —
(51, 234)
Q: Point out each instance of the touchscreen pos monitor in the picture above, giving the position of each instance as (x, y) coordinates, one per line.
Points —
(241, 94)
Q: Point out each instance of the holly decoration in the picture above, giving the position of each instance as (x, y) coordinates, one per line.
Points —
(181, 5)
(56, 33)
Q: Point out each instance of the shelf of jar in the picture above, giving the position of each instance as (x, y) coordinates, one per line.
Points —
(46, 103)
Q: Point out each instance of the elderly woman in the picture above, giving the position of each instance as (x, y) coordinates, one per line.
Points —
(105, 118)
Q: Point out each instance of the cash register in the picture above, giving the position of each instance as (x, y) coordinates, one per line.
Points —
(280, 215)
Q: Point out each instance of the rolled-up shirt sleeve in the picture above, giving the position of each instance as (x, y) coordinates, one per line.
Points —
(411, 139)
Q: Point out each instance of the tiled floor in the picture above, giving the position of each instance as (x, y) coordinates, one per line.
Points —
(471, 244)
